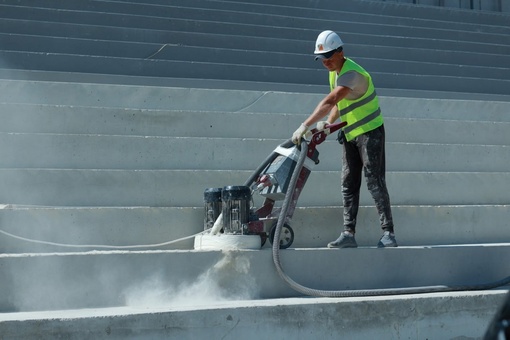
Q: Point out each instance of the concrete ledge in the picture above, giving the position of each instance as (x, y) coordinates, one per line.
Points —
(431, 316)
(174, 95)
(400, 125)
(255, 21)
(206, 70)
(185, 188)
(58, 151)
(223, 48)
(206, 38)
(95, 279)
(442, 65)
(123, 227)
(405, 10)
(313, 226)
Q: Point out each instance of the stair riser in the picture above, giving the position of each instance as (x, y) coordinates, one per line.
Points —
(313, 227)
(104, 280)
(182, 188)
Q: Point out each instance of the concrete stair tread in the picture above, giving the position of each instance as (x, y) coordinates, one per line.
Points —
(314, 227)
(92, 322)
(270, 43)
(108, 49)
(120, 121)
(81, 120)
(159, 50)
(103, 187)
(197, 13)
(266, 74)
(64, 151)
(242, 96)
(227, 304)
(176, 69)
(31, 78)
(406, 265)
(403, 9)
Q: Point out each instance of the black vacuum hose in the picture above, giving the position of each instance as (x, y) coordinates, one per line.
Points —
(266, 162)
(351, 293)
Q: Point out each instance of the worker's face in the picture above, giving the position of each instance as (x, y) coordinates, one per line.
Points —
(334, 62)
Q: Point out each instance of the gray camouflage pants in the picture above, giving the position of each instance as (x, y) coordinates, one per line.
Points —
(365, 153)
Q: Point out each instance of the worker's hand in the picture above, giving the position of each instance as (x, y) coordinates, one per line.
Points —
(300, 132)
(321, 125)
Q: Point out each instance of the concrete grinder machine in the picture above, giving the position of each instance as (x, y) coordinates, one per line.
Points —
(229, 213)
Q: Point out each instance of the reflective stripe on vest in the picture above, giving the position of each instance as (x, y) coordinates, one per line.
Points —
(362, 114)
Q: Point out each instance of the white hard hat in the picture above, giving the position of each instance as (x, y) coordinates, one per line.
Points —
(327, 41)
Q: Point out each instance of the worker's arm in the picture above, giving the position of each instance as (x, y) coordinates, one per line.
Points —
(334, 114)
(327, 105)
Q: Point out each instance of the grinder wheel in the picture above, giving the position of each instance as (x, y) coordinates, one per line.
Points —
(286, 237)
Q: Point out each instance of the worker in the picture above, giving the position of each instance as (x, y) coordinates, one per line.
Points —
(353, 99)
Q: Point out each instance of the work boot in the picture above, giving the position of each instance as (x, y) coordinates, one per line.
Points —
(345, 240)
(387, 240)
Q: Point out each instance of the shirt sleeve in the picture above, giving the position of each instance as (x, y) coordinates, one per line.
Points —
(351, 79)
(355, 81)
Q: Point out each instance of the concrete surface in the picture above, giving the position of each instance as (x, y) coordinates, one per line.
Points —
(313, 226)
(432, 316)
(109, 278)
(116, 116)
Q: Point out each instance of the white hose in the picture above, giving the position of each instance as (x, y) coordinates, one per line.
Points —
(99, 246)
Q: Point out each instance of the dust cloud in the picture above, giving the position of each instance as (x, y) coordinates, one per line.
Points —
(228, 280)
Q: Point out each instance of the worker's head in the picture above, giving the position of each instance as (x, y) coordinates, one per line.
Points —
(329, 48)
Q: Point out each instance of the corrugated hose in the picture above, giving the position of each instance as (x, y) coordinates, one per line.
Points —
(351, 293)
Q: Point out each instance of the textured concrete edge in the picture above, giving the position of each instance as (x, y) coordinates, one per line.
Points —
(169, 278)
(414, 316)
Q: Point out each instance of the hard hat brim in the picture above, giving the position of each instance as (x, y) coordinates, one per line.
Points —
(325, 55)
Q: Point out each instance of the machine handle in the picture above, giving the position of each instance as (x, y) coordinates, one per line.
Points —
(320, 136)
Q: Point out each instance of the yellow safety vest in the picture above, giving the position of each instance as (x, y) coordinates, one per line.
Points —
(363, 114)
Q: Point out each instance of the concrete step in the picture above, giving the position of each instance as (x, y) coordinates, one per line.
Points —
(350, 11)
(97, 279)
(401, 10)
(265, 53)
(60, 62)
(187, 19)
(153, 97)
(77, 229)
(69, 229)
(494, 6)
(184, 188)
(421, 54)
(106, 96)
(60, 119)
(268, 43)
(185, 69)
(157, 68)
(239, 57)
(214, 10)
(217, 84)
(467, 314)
(59, 151)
